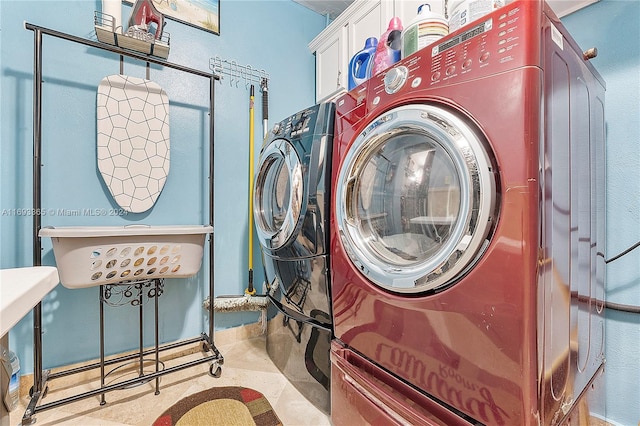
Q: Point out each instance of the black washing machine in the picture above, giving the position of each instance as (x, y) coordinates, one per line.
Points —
(291, 209)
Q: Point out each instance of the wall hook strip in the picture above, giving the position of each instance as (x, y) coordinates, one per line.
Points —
(237, 73)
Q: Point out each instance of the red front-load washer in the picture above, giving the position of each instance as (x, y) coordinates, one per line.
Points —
(466, 227)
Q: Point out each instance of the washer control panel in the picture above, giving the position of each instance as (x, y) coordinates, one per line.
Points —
(497, 39)
(395, 78)
(500, 41)
(296, 125)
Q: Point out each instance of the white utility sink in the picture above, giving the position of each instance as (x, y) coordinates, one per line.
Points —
(21, 289)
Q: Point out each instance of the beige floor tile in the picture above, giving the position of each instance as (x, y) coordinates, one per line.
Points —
(294, 410)
(246, 363)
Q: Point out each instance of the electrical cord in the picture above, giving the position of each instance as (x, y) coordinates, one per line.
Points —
(619, 306)
(619, 255)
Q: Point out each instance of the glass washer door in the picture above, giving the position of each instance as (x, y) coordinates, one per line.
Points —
(278, 194)
(415, 199)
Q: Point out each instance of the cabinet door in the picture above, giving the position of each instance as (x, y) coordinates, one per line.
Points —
(369, 22)
(331, 74)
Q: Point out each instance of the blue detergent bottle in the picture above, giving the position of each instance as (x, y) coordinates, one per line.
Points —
(362, 62)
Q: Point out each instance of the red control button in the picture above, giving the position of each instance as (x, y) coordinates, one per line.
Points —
(435, 76)
(451, 69)
(466, 64)
(484, 57)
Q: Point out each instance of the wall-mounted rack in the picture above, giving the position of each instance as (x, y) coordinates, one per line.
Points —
(238, 74)
(249, 77)
(41, 377)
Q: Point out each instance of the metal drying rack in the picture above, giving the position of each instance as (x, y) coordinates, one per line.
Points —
(136, 292)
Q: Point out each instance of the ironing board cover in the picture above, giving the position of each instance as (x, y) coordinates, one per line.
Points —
(133, 140)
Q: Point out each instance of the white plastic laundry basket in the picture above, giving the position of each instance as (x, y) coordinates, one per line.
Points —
(87, 256)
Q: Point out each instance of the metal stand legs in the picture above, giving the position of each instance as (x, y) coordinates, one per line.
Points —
(134, 294)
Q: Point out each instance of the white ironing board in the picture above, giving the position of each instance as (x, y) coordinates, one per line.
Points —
(133, 140)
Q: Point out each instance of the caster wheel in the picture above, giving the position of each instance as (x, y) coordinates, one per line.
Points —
(215, 370)
(44, 393)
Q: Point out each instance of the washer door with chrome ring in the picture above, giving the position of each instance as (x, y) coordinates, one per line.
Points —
(278, 194)
(415, 199)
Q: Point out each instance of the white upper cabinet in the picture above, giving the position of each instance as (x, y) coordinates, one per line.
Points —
(367, 23)
(331, 75)
(343, 38)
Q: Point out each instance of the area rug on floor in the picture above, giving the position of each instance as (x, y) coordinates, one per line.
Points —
(229, 406)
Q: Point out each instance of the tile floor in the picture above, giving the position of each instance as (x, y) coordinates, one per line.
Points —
(246, 363)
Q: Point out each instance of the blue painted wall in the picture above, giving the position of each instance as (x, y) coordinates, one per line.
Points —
(269, 35)
(613, 26)
(265, 35)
